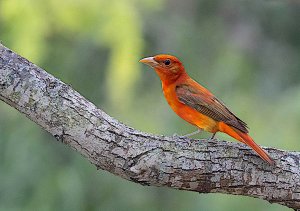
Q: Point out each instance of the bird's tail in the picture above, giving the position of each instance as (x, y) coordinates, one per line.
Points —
(246, 139)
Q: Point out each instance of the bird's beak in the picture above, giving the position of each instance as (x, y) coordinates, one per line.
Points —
(149, 61)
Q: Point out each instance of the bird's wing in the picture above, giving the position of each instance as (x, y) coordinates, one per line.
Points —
(206, 103)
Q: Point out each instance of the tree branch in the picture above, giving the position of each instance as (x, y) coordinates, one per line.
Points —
(201, 166)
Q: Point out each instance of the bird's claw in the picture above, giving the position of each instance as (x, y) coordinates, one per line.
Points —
(212, 138)
(175, 135)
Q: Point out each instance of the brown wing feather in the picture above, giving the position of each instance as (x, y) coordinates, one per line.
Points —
(209, 105)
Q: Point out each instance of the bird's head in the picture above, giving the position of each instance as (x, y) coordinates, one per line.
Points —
(167, 67)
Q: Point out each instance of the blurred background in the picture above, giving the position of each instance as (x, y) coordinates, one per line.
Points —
(246, 52)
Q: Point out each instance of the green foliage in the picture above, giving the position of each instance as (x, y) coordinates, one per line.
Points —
(246, 52)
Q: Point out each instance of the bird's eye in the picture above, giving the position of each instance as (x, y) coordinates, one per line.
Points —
(167, 62)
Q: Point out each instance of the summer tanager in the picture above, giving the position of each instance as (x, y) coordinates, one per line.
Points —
(196, 105)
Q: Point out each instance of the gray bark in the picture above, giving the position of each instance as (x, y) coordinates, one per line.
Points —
(181, 163)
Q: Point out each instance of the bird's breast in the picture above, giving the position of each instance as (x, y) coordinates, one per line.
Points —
(187, 113)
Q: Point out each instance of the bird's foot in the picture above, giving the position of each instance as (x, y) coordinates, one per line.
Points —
(191, 134)
(212, 137)
(175, 135)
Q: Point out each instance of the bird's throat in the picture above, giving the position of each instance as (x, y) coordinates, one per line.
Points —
(167, 78)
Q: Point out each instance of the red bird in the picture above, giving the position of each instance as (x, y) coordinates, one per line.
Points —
(196, 105)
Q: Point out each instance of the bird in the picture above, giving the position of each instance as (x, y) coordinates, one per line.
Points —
(197, 105)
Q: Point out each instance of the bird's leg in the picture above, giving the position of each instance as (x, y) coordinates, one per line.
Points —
(212, 137)
(191, 134)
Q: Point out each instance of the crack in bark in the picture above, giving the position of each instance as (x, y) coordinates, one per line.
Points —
(204, 167)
